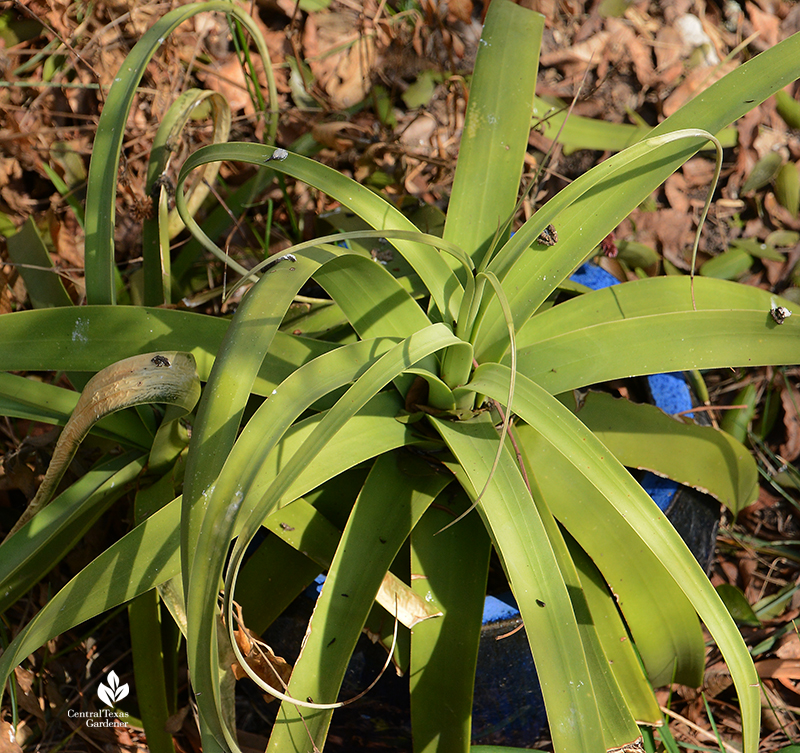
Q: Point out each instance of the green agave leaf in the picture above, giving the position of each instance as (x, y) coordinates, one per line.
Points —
(371, 299)
(520, 537)
(634, 510)
(649, 327)
(87, 338)
(449, 571)
(259, 498)
(643, 436)
(434, 271)
(389, 506)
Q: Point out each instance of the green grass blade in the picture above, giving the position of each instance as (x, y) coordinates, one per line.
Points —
(158, 230)
(638, 512)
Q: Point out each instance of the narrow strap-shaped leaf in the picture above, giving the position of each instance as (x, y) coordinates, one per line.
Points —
(27, 558)
(232, 487)
(21, 397)
(515, 524)
(149, 555)
(649, 327)
(586, 222)
(496, 127)
(536, 272)
(87, 338)
(635, 510)
(661, 619)
(448, 570)
(643, 436)
(434, 271)
(393, 498)
(167, 377)
(102, 181)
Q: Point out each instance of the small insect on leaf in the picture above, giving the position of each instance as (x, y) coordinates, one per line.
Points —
(548, 236)
(779, 313)
(278, 155)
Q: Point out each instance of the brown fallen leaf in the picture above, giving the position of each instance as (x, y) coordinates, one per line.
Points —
(766, 24)
(696, 81)
(8, 742)
(274, 670)
(789, 647)
(340, 56)
(675, 189)
(779, 668)
(790, 399)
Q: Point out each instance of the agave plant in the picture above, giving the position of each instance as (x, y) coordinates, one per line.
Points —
(419, 398)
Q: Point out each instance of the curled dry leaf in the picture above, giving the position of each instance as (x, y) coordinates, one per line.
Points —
(8, 742)
(790, 399)
(274, 670)
(341, 56)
